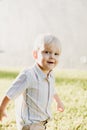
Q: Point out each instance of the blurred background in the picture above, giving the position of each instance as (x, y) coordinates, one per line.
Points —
(21, 21)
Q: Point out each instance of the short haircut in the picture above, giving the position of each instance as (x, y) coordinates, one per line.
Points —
(46, 39)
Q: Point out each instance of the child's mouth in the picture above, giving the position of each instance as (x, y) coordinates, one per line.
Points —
(50, 62)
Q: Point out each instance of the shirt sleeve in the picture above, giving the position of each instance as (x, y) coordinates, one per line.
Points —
(18, 86)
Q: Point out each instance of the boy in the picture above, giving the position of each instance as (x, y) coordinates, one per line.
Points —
(33, 89)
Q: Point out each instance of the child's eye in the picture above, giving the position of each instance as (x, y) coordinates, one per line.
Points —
(57, 54)
(47, 52)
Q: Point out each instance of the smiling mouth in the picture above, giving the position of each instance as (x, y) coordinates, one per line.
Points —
(50, 62)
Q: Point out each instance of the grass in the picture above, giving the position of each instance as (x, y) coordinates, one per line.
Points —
(8, 74)
(71, 86)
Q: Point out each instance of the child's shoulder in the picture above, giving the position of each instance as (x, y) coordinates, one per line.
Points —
(30, 75)
(27, 70)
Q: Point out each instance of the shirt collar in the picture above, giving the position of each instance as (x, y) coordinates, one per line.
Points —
(40, 73)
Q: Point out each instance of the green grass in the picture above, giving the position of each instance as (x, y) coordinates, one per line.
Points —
(71, 86)
(8, 74)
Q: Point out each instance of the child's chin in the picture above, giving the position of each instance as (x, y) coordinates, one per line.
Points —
(51, 68)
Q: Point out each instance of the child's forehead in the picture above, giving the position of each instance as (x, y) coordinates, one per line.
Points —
(55, 44)
(51, 46)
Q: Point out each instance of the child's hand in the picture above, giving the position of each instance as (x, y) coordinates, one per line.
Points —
(2, 114)
(3, 105)
(60, 107)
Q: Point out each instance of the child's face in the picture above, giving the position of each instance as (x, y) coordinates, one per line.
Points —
(47, 56)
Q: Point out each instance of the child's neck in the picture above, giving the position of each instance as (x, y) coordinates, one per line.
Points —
(44, 71)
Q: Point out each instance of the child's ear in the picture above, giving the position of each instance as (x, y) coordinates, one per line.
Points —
(35, 54)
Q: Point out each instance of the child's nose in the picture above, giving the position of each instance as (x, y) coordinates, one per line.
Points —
(51, 55)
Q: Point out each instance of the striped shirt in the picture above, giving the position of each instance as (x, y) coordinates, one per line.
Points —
(33, 91)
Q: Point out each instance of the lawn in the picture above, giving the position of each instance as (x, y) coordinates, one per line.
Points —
(71, 85)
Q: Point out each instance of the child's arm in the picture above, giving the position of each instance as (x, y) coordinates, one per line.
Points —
(60, 106)
(3, 105)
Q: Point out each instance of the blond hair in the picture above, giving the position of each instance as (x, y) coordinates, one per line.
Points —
(46, 39)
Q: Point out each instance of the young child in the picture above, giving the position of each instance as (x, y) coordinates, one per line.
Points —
(33, 89)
